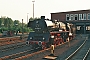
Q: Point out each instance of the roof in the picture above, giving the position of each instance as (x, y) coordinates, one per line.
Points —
(71, 11)
(77, 21)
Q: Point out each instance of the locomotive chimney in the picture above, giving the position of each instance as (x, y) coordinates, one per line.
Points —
(42, 17)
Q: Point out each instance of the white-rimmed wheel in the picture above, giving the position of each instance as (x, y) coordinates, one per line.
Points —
(27, 42)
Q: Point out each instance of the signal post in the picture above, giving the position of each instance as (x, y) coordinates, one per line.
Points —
(51, 56)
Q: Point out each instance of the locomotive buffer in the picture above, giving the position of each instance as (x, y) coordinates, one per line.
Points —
(51, 56)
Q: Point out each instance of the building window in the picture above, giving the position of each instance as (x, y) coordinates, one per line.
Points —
(87, 27)
(71, 17)
(80, 16)
(78, 27)
(67, 16)
(88, 16)
(84, 16)
(76, 16)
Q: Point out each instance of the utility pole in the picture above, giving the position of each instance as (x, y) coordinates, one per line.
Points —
(27, 22)
(33, 8)
(27, 18)
(22, 26)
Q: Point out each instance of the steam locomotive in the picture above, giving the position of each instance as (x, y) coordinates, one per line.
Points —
(45, 34)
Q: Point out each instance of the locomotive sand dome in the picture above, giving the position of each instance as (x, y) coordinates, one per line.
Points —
(45, 34)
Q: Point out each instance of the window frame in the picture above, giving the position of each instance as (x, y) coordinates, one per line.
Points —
(67, 15)
(78, 27)
(87, 16)
(71, 16)
(75, 15)
(80, 16)
(84, 16)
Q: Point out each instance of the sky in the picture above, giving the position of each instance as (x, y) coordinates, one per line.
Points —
(18, 9)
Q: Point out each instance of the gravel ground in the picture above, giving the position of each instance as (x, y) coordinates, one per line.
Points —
(62, 51)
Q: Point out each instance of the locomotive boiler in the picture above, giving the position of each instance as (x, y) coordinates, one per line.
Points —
(46, 33)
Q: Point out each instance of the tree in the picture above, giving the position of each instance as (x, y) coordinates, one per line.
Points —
(7, 24)
(31, 19)
(2, 21)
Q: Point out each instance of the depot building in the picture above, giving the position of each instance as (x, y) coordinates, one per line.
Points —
(80, 20)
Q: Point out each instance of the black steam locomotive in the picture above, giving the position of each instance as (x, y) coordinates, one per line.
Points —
(44, 35)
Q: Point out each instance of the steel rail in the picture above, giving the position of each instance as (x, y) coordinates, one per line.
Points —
(76, 50)
(3, 49)
(85, 57)
(16, 55)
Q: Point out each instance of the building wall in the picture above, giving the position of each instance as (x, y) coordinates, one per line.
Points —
(61, 16)
(81, 19)
(58, 16)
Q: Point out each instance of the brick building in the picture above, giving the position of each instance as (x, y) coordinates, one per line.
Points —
(80, 19)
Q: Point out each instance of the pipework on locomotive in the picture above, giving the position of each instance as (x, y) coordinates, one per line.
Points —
(47, 32)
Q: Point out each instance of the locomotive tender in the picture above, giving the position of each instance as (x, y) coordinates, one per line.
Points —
(44, 35)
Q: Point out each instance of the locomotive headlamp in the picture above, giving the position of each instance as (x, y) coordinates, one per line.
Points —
(30, 38)
(52, 36)
(43, 38)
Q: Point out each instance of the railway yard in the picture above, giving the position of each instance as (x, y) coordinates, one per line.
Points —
(10, 40)
(16, 49)
(64, 36)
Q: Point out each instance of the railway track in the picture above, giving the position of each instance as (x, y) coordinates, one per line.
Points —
(14, 43)
(10, 40)
(87, 55)
(14, 49)
(11, 47)
(81, 52)
(20, 54)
